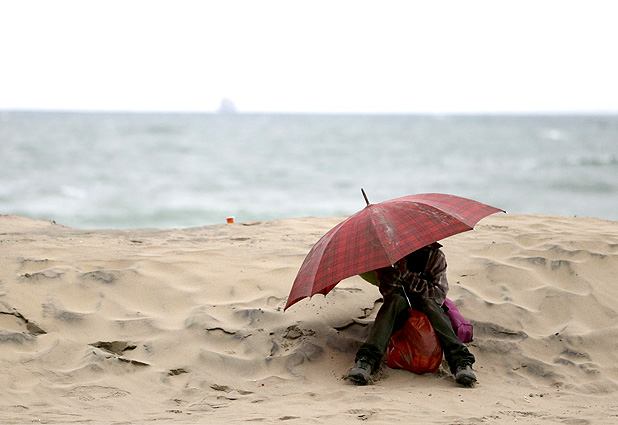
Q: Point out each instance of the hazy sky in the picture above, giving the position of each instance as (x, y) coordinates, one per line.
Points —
(310, 56)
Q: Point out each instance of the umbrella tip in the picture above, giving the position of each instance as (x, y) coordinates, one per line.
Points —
(365, 196)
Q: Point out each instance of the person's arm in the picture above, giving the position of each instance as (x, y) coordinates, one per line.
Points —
(391, 278)
(432, 283)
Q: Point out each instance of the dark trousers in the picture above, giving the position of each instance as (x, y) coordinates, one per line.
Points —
(393, 315)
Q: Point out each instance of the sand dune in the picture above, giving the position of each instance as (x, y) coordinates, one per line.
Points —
(187, 326)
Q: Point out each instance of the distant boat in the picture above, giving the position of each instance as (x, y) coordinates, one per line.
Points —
(227, 106)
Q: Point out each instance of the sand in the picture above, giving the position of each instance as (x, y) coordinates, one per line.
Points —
(187, 326)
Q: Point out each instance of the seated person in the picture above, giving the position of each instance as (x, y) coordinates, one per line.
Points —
(420, 279)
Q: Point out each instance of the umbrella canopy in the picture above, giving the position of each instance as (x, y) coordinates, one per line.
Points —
(380, 235)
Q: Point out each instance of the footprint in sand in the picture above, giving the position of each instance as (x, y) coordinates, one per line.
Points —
(101, 276)
(95, 392)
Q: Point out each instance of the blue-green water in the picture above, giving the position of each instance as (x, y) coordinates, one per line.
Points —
(118, 170)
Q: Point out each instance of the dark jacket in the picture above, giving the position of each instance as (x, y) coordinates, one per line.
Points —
(422, 273)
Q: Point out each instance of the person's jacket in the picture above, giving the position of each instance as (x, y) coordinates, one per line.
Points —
(428, 281)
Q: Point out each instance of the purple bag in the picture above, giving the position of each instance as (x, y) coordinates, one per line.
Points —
(461, 326)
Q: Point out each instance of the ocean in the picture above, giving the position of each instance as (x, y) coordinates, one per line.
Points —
(92, 170)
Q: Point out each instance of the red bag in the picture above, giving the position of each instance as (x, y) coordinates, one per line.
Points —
(415, 347)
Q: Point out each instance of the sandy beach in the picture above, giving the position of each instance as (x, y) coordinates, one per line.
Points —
(187, 326)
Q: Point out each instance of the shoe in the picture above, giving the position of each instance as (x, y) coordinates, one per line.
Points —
(361, 372)
(465, 376)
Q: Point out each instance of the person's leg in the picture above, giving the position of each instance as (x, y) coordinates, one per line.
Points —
(391, 316)
(456, 353)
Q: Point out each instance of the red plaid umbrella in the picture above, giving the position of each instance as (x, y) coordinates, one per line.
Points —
(382, 234)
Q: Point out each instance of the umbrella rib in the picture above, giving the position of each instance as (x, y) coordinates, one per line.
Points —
(382, 240)
(333, 232)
